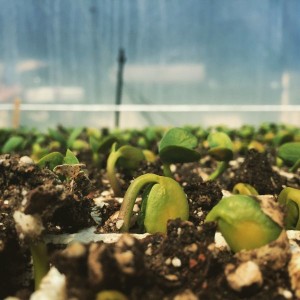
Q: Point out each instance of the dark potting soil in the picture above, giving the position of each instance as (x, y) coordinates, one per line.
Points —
(184, 264)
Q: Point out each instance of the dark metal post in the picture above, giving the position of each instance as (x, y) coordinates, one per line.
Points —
(121, 62)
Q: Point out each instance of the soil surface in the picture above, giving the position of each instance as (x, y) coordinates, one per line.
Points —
(183, 264)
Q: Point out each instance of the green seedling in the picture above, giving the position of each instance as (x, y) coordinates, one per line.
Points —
(257, 146)
(40, 261)
(51, 160)
(246, 132)
(110, 295)
(221, 148)
(75, 133)
(126, 156)
(101, 147)
(290, 199)
(54, 159)
(177, 146)
(243, 224)
(163, 199)
(14, 143)
(149, 156)
(74, 142)
(282, 137)
(58, 136)
(244, 189)
(290, 154)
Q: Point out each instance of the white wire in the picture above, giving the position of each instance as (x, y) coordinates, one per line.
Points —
(152, 108)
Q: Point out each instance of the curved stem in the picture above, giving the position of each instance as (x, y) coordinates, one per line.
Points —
(40, 262)
(111, 173)
(222, 166)
(295, 166)
(131, 195)
(167, 171)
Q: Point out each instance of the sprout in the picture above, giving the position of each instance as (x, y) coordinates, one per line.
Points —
(176, 146)
(110, 295)
(290, 198)
(55, 159)
(290, 154)
(100, 147)
(283, 136)
(259, 147)
(14, 143)
(58, 136)
(127, 156)
(40, 261)
(221, 148)
(243, 223)
(75, 133)
(163, 199)
(244, 189)
(51, 160)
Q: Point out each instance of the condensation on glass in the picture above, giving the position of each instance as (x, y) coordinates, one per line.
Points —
(194, 52)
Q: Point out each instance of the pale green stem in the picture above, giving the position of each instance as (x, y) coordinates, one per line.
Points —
(40, 262)
(111, 173)
(222, 166)
(131, 195)
(167, 171)
(295, 166)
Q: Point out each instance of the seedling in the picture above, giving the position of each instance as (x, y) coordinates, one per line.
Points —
(290, 154)
(243, 224)
(67, 167)
(163, 199)
(58, 136)
(51, 160)
(100, 148)
(246, 132)
(257, 146)
(221, 148)
(110, 295)
(244, 189)
(14, 143)
(40, 261)
(283, 136)
(290, 199)
(177, 146)
(126, 156)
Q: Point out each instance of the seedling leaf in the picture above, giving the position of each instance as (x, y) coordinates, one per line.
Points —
(177, 146)
(12, 144)
(51, 160)
(70, 158)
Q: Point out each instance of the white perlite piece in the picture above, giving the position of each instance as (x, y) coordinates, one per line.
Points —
(186, 295)
(28, 225)
(53, 286)
(26, 160)
(294, 272)
(176, 262)
(245, 275)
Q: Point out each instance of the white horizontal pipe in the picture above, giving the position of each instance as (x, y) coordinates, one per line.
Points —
(151, 108)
